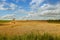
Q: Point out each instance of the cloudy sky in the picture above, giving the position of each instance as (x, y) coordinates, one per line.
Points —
(30, 9)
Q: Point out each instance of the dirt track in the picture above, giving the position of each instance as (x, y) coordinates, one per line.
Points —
(22, 27)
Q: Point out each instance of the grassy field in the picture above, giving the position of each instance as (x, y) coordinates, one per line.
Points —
(30, 36)
(27, 29)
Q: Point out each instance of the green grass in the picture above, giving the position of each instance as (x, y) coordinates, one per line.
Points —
(4, 21)
(30, 36)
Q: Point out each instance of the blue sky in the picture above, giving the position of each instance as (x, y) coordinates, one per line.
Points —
(30, 9)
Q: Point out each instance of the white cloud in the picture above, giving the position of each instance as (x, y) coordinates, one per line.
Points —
(46, 11)
(2, 6)
(51, 9)
(35, 4)
(20, 11)
(12, 6)
(8, 16)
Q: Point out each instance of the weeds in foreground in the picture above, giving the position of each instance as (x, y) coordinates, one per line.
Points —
(30, 36)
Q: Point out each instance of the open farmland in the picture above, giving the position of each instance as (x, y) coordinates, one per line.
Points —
(25, 26)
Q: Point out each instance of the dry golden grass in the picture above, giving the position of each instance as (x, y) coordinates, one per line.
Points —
(21, 27)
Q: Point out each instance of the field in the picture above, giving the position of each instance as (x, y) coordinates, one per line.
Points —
(20, 27)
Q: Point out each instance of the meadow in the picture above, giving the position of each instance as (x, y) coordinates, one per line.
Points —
(30, 30)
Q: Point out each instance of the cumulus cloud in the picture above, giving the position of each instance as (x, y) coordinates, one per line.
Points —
(51, 9)
(35, 4)
(8, 16)
(2, 6)
(45, 12)
(21, 11)
(37, 12)
(11, 6)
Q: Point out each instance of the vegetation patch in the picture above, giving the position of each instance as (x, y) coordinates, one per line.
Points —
(4, 21)
(30, 36)
(53, 21)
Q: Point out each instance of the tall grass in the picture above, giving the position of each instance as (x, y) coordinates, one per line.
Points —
(5, 21)
(30, 36)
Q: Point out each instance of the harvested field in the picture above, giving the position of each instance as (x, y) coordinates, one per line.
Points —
(21, 27)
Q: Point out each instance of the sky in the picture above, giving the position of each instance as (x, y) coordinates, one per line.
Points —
(29, 9)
